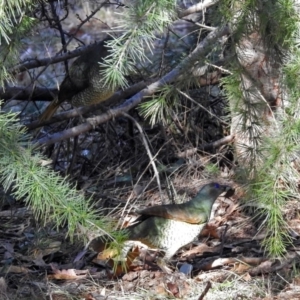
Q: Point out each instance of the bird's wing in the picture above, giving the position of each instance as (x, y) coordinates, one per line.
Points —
(180, 212)
(195, 211)
(82, 71)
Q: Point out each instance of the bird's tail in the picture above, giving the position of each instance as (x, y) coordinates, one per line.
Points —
(49, 111)
(46, 115)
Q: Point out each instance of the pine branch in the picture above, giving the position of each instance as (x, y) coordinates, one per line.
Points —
(51, 198)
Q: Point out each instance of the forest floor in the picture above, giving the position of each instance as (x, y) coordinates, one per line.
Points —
(226, 262)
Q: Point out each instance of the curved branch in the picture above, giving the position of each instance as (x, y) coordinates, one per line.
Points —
(151, 158)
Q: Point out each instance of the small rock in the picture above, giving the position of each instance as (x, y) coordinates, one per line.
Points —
(186, 269)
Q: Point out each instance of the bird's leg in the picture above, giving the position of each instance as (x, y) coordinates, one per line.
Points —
(125, 258)
(162, 262)
(127, 246)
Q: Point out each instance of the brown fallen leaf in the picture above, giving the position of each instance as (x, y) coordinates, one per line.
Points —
(275, 265)
(66, 274)
(108, 258)
(240, 268)
(247, 277)
(220, 262)
(200, 249)
(160, 289)
(89, 297)
(173, 289)
(210, 230)
(107, 254)
(264, 268)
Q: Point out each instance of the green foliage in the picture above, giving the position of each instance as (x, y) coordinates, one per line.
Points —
(141, 21)
(14, 25)
(161, 106)
(273, 146)
(275, 183)
(283, 150)
(11, 12)
(120, 251)
(292, 78)
(276, 20)
(270, 198)
(212, 169)
(51, 198)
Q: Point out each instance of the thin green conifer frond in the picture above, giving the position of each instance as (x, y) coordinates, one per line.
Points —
(161, 107)
(14, 26)
(52, 199)
(141, 21)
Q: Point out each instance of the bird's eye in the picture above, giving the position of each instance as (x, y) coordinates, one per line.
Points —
(217, 186)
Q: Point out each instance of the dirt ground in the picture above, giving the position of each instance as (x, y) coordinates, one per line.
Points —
(226, 262)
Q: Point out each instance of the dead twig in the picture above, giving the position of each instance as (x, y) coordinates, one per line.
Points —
(207, 288)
